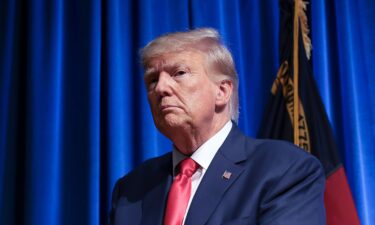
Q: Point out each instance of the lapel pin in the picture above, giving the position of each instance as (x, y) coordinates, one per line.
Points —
(227, 175)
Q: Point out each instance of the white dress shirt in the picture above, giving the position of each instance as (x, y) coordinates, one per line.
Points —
(203, 156)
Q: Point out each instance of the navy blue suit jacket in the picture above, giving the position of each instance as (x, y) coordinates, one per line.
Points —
(271, 182)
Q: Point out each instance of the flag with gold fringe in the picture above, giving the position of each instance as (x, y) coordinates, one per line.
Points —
(295, 111)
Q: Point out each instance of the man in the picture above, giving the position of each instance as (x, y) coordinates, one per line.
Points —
(231, 179)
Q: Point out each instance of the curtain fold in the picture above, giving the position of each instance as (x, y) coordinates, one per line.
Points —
(74, 115)
(343, 55)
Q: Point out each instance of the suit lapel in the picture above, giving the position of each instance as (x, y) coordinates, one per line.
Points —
(215, 183)
(155, 200)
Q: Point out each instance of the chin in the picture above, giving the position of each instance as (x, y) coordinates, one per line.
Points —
(170, 123)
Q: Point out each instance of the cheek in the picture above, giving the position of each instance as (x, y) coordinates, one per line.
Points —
(202, 99)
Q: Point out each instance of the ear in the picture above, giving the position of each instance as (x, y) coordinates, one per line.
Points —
(224, 93)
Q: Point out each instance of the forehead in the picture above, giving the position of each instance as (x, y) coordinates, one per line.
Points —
(181, 58)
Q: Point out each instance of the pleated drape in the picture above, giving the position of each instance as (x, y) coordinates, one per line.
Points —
(73, 110)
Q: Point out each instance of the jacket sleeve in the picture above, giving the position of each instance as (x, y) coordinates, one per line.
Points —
(298, 196)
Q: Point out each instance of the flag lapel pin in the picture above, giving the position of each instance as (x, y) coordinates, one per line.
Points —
(227, 175)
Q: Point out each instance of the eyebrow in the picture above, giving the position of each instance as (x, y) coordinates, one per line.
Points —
(163, 66)
(149, 71)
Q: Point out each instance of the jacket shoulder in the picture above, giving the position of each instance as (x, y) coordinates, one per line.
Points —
(139, 180)
(280, 152)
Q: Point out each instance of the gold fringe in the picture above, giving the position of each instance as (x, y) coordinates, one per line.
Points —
(301, 12)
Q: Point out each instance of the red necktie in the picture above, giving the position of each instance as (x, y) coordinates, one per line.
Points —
(179, 194)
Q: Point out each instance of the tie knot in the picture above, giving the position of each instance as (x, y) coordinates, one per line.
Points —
(188, 167)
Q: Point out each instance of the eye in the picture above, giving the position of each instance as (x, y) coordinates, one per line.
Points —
(180, 73)
(151, 81)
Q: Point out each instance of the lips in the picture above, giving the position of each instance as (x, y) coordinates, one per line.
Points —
(165, 107)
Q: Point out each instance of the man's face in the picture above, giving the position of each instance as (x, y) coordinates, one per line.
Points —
(180, 92)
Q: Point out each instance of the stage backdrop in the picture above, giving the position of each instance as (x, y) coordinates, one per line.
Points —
(73, 111)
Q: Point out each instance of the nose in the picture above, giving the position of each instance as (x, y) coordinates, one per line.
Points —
(164, 85)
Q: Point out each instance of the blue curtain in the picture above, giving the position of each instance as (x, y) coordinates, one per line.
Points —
(73, 111)
(343, 36)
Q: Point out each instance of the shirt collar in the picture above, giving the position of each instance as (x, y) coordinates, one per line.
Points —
(206, 152)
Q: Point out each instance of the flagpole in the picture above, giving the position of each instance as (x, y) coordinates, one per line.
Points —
(295, 73)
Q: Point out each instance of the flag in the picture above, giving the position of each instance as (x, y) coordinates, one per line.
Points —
(294, 92)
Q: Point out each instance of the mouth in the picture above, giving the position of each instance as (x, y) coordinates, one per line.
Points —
(165, 108)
